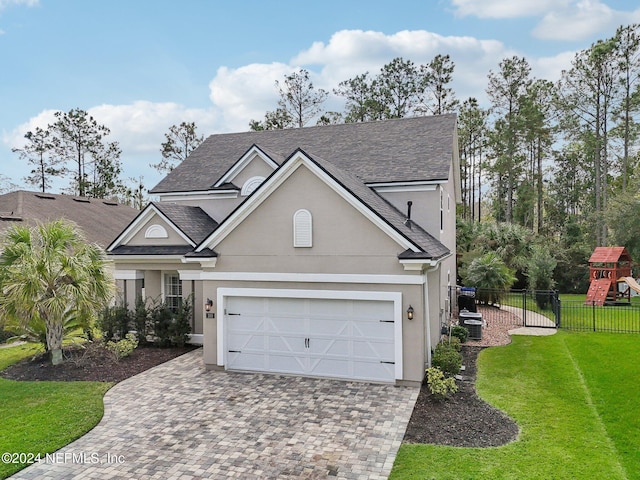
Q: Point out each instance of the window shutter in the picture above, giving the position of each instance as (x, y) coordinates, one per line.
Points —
(302, 229)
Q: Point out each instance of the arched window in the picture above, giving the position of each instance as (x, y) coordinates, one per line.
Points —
(156, 231)
(250, 185)
(302, 229)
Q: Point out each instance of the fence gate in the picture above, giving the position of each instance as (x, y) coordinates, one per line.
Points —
(519, 308)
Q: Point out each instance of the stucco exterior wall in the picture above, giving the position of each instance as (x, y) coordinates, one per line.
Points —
(344, 241)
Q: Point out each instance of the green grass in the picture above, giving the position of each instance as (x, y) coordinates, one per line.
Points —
(42, 417)
(574, 397)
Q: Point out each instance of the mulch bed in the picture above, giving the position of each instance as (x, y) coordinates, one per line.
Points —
(463, 420)
(94, 364)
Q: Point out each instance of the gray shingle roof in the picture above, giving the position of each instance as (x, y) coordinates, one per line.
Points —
(407, 149)
(192, 221)
(100, 220)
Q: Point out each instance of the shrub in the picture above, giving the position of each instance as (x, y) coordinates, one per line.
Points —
(115, 321)
(491, 276)
(460, 332)
(447, 359)
(171, 328)
(123, 348)
(141, 321)
(454, 342)
(439, 385)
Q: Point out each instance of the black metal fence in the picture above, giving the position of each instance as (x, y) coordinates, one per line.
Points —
(588, 317)
(545, 309)
(520, 308)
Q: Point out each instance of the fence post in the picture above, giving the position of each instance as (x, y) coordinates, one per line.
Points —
(524, 307)
(593, 314)
(558, 309)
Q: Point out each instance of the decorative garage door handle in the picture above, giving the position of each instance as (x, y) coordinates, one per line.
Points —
(306, 343)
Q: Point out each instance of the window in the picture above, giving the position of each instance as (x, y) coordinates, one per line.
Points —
(302, 229)
(173, 291)
(250, 185)
(156, 231)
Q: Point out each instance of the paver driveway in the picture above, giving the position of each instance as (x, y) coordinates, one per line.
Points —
(177, 421)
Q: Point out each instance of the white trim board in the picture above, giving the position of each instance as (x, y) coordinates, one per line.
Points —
(395, 297)
(303, 277)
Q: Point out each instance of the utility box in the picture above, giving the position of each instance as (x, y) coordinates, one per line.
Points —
(472, 321)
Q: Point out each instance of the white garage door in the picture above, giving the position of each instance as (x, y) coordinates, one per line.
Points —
(337, 338)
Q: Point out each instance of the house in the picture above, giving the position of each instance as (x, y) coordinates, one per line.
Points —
(323, 251)
(100, 220)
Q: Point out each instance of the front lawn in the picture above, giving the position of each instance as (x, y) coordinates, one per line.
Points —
(42, 417)
(574, 396)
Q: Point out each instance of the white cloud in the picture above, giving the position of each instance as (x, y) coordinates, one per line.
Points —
(506, 8)
(11, 3)
(246, 93)
(582, 20)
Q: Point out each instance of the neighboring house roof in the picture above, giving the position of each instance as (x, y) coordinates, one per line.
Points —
(100, 220)
(406, 149)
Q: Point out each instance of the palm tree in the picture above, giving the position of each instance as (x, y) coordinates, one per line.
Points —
(50, 275)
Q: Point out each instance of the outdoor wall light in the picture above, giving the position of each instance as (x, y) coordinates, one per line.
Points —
(208, 305)
(410, 312)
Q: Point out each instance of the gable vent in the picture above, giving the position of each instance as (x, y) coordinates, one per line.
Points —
(302, 229)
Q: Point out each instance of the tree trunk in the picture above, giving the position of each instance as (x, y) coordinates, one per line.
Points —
(54, 341)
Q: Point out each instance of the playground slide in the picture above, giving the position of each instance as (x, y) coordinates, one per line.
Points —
(631, 282)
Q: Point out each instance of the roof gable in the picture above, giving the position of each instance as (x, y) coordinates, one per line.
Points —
(190, 224)
(349, 187)
(400, 150)
(254, 154)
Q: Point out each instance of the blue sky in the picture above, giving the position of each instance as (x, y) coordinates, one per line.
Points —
(141, 66)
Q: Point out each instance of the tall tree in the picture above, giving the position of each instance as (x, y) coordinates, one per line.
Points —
(506, 88)
(76, 138)
(586, 96)
(472, 133)
(438, 97)
(106, 180)
(399, 88)
(38, 152)
(299, 99)
(181, 140)
(627, 42)
(362, 102)
(50, 274)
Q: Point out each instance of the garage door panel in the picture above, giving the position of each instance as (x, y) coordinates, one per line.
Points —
(375, 330)
(329, 346)
(248, 305)
(379, 372)
(328, 327)
(247, 361)
(282, 324)
(330, 367)
(287, 344)
(287, 364)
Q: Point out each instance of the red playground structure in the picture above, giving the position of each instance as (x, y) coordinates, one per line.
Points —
(608, 268)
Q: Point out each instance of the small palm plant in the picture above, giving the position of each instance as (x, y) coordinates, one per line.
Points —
(51, 277)
(489, 273)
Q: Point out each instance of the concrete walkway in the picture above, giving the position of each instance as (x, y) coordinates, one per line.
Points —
(537, 324)
(178, 422)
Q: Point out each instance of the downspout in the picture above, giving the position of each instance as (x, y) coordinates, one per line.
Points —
(427, 310)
